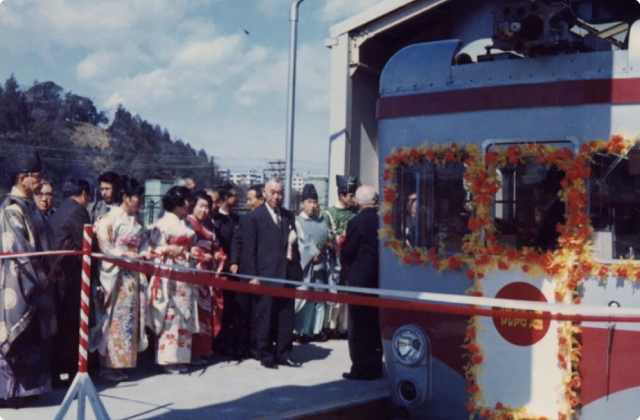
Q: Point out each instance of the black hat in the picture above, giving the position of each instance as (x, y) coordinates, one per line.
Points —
(23, 162)
(346, 184)
(309, 192)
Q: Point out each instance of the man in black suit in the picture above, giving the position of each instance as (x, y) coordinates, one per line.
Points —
(360, 253)
(67, 224)
(270, 249)
(224, 223)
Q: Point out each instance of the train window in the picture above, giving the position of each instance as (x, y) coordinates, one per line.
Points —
(615, 205)
(527, 207)
(431, 206)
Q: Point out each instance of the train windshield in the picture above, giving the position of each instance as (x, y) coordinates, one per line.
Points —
(431, 206)
(527, 207)
(615, 205)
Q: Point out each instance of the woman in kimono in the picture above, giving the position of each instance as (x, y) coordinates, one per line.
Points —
(172, 304)
(119, 333)
(209, 256)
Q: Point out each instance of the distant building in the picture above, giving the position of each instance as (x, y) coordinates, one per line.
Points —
(321, 182)
(154, 189)
(250, 177)
(224, 175)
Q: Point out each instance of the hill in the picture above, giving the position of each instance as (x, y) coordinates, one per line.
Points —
(75, 140)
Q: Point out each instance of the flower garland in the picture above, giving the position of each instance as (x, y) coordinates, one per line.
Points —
(482, 254)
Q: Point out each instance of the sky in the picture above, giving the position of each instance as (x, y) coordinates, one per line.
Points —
(187, 65)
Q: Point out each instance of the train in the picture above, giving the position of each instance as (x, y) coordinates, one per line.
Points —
(503, 136)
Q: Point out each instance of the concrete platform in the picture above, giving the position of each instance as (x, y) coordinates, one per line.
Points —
(230, 390)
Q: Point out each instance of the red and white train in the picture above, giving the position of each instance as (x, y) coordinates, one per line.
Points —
(512, 197)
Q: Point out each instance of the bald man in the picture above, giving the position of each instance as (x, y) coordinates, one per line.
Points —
(360, 253)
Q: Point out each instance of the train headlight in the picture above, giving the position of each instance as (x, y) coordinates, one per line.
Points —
(409, 344)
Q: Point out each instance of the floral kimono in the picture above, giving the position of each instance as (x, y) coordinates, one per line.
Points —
(172, 304)
(119, 333)
(209, 309)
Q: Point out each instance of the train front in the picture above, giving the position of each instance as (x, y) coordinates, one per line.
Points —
(510, 169)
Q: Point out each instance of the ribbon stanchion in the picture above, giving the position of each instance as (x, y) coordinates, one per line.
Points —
(412, 301)
(82, 386)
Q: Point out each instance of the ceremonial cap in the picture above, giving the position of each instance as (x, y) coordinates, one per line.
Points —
(309, 192)
(23, 162)
(346, 184)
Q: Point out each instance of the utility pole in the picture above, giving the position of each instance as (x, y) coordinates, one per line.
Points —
(291, 103)
(275, 169)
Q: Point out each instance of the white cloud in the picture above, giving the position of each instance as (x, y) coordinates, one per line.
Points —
(312, 79)
(275, 7)
(342, 9)
(194, 74)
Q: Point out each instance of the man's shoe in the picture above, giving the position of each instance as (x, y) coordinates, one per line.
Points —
(289, 363)
(359, 377)
(272, 364)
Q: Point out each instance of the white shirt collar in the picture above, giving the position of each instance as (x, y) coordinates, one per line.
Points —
(274, 213)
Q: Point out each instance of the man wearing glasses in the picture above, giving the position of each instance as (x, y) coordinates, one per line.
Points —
(27, 312)
(44, 199)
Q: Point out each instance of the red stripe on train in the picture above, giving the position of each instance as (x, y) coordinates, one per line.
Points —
(534, 95)
(623, 364)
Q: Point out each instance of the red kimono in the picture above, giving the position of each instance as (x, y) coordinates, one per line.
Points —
(210, 303)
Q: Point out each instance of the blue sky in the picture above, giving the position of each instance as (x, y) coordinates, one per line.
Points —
(188, 66)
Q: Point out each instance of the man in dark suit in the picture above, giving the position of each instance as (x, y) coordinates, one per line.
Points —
(360, 253)
(270, 249)
(67, 223)
(224, 223)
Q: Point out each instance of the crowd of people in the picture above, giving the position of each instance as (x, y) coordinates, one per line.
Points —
(180, 323)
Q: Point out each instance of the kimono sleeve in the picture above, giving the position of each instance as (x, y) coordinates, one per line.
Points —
(155, 240)
(105, 232)
(16, 237)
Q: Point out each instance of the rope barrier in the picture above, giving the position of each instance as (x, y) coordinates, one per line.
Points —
(384, 298)
(414, 301)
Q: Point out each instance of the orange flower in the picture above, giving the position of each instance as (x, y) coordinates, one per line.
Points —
(472, 348)
(499, 406)
(512, 254)
(469, 407)
(491, 157)
(473, 223)
(431, 154)
(470, 333)
(387, 219)
(573, 401)
(472, 388)
(454, 263)
(449, 156)
(485, 414)
(603, 271)
(576, 383)
(502, 265)
(525, 268)
(477, 294)
(477, 359)
(562, 340)
(471, 274)
(408, 259)
(415, 154)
